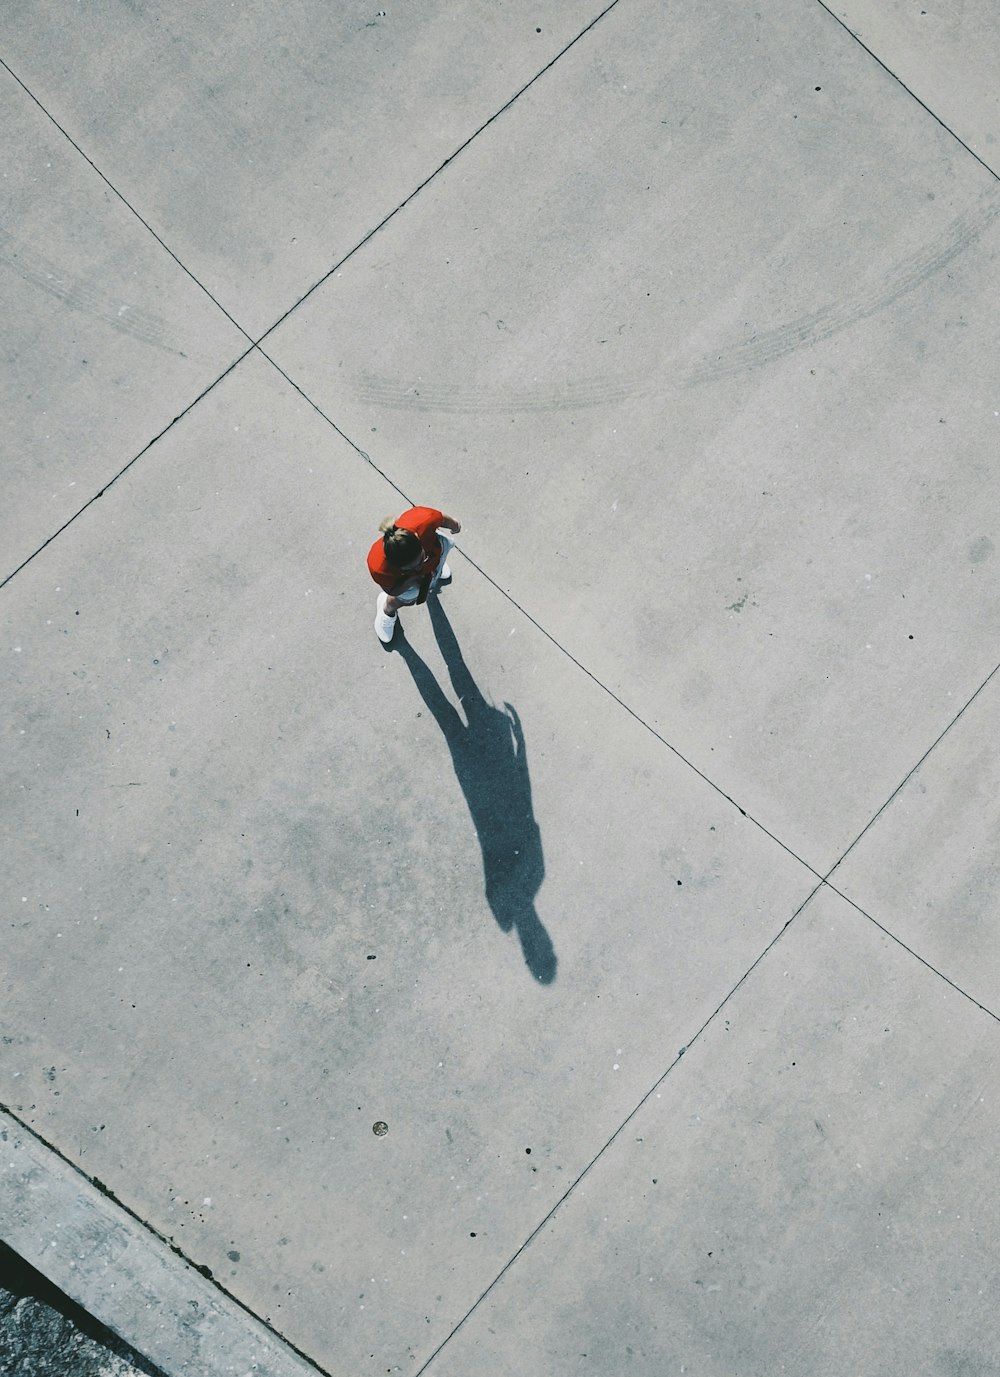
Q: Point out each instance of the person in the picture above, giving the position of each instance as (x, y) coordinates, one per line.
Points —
(409, 561)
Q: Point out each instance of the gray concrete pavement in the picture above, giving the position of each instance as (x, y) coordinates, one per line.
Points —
(946, 55)
(262, 143)
(108, 337)
(933, 885)
(763, 1212)
(735, 367)
(271, 838)
(697, 337)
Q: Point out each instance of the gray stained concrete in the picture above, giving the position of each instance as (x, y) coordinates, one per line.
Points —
(603, 978)
(42, 1334)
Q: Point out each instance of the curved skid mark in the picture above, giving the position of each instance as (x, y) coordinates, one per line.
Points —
(383, 391)
(829, 320)
(766, 347)
(83, 296)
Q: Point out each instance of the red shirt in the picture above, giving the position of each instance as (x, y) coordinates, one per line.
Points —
(423, 521)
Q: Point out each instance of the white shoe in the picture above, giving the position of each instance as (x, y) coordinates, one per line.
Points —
(445, 575)
(385, 626)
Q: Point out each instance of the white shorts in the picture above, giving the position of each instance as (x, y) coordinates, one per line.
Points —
(411, 591)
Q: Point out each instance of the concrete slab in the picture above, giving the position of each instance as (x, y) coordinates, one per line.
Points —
(928, 868)
(801, 1194)
(948, 56)
(289, 891)
(107, 338)
(262, 142)
(708, 352)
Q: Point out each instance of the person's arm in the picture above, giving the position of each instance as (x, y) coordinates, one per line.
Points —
(450, 524)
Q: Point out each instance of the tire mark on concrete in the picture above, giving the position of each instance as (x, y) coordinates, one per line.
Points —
(484, 401)
(730, 360)
(84, 296)
(829, 320)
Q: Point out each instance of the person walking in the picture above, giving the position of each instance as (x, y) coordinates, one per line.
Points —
(408, 561)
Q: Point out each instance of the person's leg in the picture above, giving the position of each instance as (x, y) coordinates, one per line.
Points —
(442, 573)
(385, 617)
(386, 607)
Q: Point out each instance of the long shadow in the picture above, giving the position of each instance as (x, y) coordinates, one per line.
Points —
(488, 753)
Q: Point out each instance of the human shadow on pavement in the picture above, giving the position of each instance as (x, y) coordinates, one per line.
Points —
(488, 753)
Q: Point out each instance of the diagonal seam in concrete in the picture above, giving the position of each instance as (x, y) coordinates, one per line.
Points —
(674, 1062)
(909, 91)
(361, 243)
(125, 202)
(824, 879)
(617, 1133)
(660, 1080)
(296, 304)
(910, 773)
(122, 471)
(984, 1008)
(471, 138)
(824, 884)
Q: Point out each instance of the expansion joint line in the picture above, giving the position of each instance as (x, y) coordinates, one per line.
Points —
(909, 91)
(824, 880)
(125, 202)
(447, 162)
(122, 471)
(617, 1133)
(823, 883)
(252, 343)
(983, 1008)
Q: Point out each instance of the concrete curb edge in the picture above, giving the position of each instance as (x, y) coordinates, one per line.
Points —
(124, 1274)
